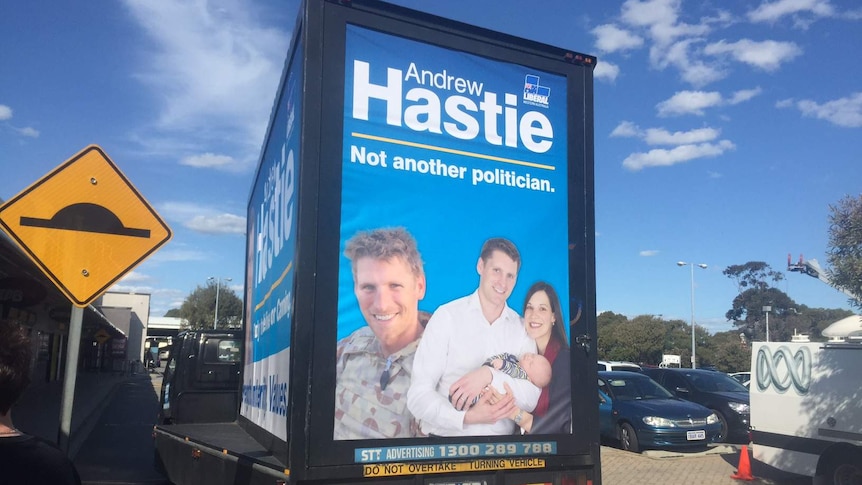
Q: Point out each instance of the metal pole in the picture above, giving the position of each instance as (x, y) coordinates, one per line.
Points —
(73, 347)
(693, 354)
(215, 320)
(767, 326)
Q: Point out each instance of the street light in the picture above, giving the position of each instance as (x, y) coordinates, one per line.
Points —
(692, 265)
(767, 309)
(218, 287)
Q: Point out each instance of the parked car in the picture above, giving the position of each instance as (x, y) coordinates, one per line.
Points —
(612, 365)
(638, 413)
(743, 378)
(726, 397)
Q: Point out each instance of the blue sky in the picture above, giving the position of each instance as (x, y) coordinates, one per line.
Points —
(723, 130)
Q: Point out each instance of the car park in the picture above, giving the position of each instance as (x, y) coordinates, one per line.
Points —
(726, 397)
(637, 412)
(614, 365)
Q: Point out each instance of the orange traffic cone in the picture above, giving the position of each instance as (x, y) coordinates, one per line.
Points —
(744, 471)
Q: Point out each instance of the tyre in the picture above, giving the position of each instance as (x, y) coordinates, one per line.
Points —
(722, 435)
(629, 439)
(843, 467)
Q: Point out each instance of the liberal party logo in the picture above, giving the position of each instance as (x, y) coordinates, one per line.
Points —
(534, 93)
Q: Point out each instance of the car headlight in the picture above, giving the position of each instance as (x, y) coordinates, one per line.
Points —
(658, 422)
(711, 419)
(739, 407)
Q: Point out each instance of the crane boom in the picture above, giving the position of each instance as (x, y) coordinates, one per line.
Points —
(812, 268)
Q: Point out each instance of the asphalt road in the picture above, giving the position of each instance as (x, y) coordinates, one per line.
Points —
(119, 450)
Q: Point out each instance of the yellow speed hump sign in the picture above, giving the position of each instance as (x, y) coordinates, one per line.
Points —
(84, 224)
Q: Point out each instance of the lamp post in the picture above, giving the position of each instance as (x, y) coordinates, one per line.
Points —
(692, 265)
(218, 287)
(767, 309)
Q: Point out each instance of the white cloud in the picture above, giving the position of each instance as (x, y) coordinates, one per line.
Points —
(28, 132)
(659, 136)
(714, 175)
(214, 69)
(689, 102)
(784, 103)
(209, 160)
(683, 56)
(5, 112)
(610, 38)
(846, 112)
(695, 102)
(767, 55)
(744, 95)
(650, 12)
(217, 224)
(134, 277)
(626, 129)
(606, 71)
(666, 157)
(772, 11)
(178, 255)
(649, 252)
(203, 219)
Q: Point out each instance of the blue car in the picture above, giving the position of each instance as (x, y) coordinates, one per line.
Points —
(639, 413)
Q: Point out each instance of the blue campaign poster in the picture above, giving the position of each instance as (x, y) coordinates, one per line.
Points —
(270, 259)
(455, 148)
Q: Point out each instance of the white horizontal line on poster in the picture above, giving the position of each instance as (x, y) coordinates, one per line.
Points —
(453, 151)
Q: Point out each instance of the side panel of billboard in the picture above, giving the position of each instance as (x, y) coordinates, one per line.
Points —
(271, 263)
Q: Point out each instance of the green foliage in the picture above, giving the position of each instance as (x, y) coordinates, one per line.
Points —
(173, 312)
(752, 275)
(199, 307)
(726, 351)
(845, 247)
(645, 338)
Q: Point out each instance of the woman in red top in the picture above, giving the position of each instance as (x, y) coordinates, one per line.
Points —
(543, 321)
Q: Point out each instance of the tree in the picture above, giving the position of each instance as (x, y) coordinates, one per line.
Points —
(753, 275)
(845, 247)
(755, 293)
(727, 352)
(199, 307)
(173, 312)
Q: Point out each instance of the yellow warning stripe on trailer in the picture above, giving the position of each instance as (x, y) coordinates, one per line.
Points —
(395, 469)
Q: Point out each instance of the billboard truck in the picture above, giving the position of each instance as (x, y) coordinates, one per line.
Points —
(805, 413)
(420, 265)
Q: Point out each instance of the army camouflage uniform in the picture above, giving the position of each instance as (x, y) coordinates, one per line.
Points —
(362, 409)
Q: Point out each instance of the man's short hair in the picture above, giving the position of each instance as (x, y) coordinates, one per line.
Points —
(385, 244)
(500, 244)
(15, 356)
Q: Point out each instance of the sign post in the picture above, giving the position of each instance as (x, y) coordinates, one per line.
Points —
(85, 226)
(69, 378)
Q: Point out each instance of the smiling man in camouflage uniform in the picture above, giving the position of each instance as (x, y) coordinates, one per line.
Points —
(375, 363)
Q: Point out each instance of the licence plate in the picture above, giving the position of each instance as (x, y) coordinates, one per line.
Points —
(695, 435)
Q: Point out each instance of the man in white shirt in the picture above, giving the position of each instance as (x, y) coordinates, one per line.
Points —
(447, 389)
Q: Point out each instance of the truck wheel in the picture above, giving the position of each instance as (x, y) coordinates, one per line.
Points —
(628, 438)
(843, 468)
(721, 437)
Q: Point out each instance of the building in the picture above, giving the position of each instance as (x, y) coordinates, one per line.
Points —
(113, 327)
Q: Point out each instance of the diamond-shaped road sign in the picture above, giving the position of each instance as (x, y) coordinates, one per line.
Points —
(84, 224)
